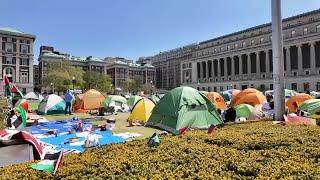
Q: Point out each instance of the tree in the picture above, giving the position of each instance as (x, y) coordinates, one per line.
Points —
(146, 88)
(95, 80)
(129, 85)
(60, 74)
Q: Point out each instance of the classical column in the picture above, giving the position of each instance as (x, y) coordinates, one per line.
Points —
(267, 62)
(257, 62)
(200, 70)
(225, 68)
(17, 70)
(219, 70)
(300, 63)
(288, 61)
(232, 66)
(31, 71)
(249, 63)
(207, 73)
(240, 64)
(212, 68)
(312, 58)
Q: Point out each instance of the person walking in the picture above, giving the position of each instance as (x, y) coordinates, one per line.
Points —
(68, 97)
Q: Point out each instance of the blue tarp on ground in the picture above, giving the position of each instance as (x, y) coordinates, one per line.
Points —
(62, 128)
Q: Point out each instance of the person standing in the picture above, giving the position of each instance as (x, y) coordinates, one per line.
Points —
(68, 97)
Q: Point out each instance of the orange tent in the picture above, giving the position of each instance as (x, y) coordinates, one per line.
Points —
(251, 98)
(296, 100)
(216, 99)
(90, 100)
(241, 94)
(235, 92)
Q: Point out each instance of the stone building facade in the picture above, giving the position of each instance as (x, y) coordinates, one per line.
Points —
(244, 59)
(168, 65)
(118, 68)
(16, 58)
(120, 71)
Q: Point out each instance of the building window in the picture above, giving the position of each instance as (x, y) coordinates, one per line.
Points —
(243, 44)
(294, 86)
(318, 86)
(228, 47)
(9, 47)
(306, 87)
(24, 62)
(221, 88)
(293, 33)
(236, 45)
(307, 72)
(10, 74)
(305, 30)
(24, 48)
(252, 42)
(261, 40)
(318, 28)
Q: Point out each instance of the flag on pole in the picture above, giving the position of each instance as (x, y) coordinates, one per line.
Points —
(10, 87)
(50, 163)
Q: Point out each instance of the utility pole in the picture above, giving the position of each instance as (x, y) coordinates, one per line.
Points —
(278, 64)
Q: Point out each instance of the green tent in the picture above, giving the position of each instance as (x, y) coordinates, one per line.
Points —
(244, 110)
(183, 107)
(132, 100)
(154, 99)
(114, 99)
(311, 106)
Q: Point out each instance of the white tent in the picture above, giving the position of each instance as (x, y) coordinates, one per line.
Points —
(52, 104)
(33, 96)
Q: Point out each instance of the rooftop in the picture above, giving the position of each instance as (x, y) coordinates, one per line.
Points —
(8, 30)
(262, 26)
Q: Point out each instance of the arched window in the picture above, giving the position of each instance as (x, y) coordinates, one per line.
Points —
(10, 74)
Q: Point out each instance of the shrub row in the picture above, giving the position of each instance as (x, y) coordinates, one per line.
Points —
(253, 150)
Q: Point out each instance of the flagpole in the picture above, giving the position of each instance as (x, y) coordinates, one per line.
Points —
(278, 64)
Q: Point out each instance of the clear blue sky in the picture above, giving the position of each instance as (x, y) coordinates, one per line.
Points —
(134, 28)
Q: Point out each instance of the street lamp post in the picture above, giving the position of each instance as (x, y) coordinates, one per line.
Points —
(73, 81)
(151, 86)
(52, 90)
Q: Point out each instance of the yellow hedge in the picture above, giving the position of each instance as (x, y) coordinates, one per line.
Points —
(253, 150)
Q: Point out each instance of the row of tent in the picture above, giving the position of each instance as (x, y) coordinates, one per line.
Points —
(185, 107)
(90, 100)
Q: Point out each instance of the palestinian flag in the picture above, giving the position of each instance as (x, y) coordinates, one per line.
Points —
(10, 87)
(19, 122)
(50, 163)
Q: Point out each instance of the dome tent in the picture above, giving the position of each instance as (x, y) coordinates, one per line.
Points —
(183, 107)
(311, 106)
(132, 100)
(217, 100)
(141, 111)
(118, 102)
(296, 100)
(33, 96)
(89, 100)
(52, 104)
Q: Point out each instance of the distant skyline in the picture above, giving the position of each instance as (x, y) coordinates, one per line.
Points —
(135, 28)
